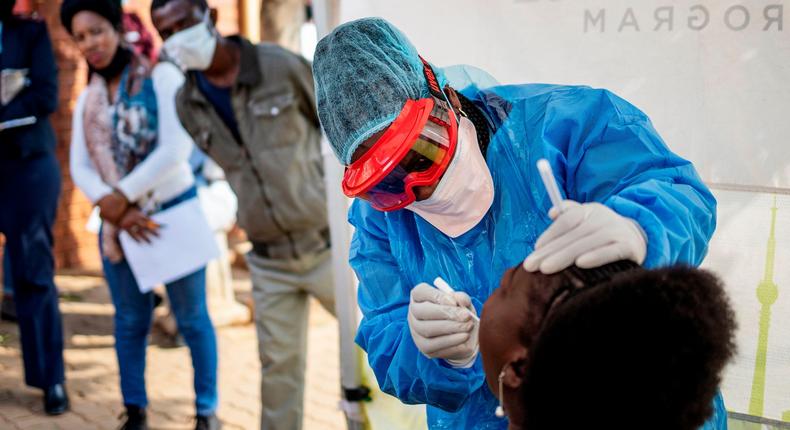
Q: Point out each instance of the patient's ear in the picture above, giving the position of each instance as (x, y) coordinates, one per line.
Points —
(516, 368)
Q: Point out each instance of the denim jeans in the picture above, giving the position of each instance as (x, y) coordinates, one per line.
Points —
(133, 313)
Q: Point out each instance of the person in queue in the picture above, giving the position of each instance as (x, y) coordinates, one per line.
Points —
(251, 109)
(129, 155)
(29, 190)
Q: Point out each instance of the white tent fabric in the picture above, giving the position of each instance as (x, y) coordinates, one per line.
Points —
(750, 251)
(711, 75)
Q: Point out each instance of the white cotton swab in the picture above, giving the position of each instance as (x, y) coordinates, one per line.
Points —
(444, 287)
(550, 183)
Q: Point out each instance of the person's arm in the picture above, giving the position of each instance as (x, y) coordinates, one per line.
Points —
(401, 369)
(174, 144)
(83, 172)
(302, 76)
(610, 153)
(40, 98)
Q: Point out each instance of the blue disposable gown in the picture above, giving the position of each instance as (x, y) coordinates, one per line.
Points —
(601, 148)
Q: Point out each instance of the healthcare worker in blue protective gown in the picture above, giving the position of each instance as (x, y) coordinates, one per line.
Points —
(628, 197)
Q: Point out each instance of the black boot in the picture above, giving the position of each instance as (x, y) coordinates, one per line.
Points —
(56, 400)
(207, 422)
(135, 419)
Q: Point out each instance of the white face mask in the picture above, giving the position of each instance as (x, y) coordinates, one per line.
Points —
(192, 48)
(465, 192)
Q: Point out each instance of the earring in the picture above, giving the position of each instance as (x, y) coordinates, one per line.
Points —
(500, 410)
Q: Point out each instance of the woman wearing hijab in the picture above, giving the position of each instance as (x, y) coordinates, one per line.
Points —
(129, 155)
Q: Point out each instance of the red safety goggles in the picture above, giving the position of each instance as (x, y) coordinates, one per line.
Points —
(415, 150)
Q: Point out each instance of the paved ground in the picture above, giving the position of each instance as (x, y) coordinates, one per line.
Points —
(92, 372)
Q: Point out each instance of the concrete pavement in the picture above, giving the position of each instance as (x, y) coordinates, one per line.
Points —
(92, 371)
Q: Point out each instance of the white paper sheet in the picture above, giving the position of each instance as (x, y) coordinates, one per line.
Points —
(185, 244)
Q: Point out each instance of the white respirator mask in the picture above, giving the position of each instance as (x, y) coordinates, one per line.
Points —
(465, 192)
(193, 48)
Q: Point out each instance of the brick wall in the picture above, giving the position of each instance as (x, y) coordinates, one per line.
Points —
(75, 248)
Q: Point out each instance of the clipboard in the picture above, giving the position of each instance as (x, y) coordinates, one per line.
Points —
(185, 244)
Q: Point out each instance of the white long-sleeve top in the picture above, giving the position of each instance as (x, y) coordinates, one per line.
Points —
(165, 172)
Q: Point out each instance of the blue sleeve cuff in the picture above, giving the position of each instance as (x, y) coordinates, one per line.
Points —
(658, 245)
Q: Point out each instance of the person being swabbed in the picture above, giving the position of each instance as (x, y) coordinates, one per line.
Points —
(614, 347)
(442, 169)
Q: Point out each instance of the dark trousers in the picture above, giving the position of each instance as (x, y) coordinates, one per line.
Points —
(29, 190)
(7, 288)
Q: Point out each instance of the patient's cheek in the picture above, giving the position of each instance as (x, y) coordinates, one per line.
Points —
(488, 350)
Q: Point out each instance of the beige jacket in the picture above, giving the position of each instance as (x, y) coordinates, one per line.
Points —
(276, 170)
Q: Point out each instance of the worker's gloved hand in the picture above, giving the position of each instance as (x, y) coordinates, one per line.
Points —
(589, 235)
(441, 325)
